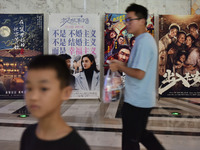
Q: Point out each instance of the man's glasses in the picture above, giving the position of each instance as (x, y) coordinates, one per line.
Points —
(129, 19)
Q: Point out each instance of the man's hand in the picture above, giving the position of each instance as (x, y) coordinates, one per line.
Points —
(115, 65)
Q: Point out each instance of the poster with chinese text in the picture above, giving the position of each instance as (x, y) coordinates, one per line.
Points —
(21, 38)
(179, 56)
(76, 38)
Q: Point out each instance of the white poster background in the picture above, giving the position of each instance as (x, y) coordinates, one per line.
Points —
(76, 34)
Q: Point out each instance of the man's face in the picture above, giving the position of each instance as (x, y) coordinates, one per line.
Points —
(43, 92)
(173, 32)
(123, 55)
(121, 40)
(133, 25)
(68, 62)
(193, 31)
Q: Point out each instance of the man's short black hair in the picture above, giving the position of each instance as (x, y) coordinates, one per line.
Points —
(140, 11)
(124, 47)
(52, 62)
(193, 24)
(120, 36)
(65, 56)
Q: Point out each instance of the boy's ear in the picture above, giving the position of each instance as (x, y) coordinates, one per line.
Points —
(66, 93)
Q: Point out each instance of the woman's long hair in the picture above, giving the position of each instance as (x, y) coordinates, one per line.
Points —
(92, 59)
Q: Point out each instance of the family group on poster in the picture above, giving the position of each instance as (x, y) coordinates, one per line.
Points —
(179, 56)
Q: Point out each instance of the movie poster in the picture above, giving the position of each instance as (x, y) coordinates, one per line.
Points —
(76, 38)
(179, 56)
(21, 38)
(117, 42)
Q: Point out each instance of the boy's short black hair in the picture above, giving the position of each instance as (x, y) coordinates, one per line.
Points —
(52, 62)
(65, 56)
(140, 11)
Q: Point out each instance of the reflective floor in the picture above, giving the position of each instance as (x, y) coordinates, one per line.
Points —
(175, 122)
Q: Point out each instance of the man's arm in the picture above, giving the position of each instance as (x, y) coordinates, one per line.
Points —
(116, 65)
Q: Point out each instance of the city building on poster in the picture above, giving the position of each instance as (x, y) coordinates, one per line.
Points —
(21, 38)
(179, 56)
(117, 42)
(76, 38)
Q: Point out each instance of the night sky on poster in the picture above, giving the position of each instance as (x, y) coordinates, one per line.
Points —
(21, 38)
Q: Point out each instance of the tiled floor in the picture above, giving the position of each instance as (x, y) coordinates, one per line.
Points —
(101, 126)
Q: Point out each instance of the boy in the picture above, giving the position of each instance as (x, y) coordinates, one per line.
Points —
(47, 85)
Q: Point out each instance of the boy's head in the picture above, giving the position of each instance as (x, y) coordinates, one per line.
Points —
(46, 85)
(52, 62)
(136, 19)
